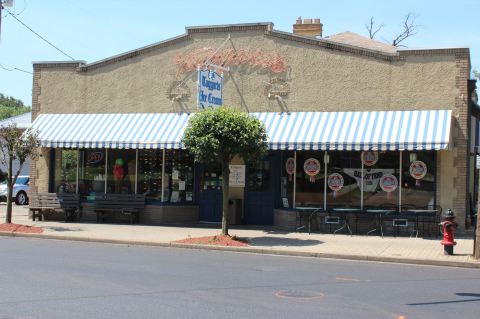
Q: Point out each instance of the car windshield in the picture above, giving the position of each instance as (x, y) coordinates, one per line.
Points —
(22, 180)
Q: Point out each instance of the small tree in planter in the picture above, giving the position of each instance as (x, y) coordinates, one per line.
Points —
(218, 135)
(15, 145)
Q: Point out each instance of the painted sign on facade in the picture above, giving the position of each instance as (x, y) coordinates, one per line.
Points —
(210, 89)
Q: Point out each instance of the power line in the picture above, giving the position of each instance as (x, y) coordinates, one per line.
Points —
(38, 35)
(12, 68)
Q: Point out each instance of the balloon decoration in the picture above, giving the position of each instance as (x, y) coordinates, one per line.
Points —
(335, 183)
(118, 170)
(290, 167)
(388, 183)
(418, 170)
(369, 158)
(312, 168)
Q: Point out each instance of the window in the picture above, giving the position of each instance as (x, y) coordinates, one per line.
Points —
(150, 173)
(65, 171)
(178, 187)
(348, 165)
(419, 192)
(286, 182)
(91, 178)
(121, 171)
(310, 178)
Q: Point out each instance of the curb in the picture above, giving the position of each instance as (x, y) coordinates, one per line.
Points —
(252, 250)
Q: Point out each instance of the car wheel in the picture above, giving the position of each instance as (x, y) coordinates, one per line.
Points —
(21, 198)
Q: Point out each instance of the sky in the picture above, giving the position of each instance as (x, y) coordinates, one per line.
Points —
(93, 30)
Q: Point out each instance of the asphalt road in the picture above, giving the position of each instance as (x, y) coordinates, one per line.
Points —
(60, 279)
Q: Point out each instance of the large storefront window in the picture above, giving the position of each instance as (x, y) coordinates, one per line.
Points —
(380, 186)
(344, 166)
(91, 177)
(150, 173)
(418, 178)
(286, 181)
(178, 177)
(121, 171)
(65, 171)
(310, 179)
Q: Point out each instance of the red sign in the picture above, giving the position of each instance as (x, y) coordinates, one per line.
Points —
(335, 182)
(369, 158)
(418, 169)
(388, 183)
(312, 168)
(290, 165)
(95, 157)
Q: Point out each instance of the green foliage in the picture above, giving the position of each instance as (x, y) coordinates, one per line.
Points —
(218, 135)
(11, 107)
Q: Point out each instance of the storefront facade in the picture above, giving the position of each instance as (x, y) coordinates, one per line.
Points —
(115, 125)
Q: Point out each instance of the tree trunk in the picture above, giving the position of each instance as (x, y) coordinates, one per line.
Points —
(225, 190)
(8, 216)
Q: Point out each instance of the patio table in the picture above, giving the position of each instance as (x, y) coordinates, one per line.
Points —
(345, 211)
(379, 213)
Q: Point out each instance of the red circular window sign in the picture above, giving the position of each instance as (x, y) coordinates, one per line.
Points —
(369, 158)
(335, 182)
(388, 183)
(312, 168)
(290, 165)
(418, 169)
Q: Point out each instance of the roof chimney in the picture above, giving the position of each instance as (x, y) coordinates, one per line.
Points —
(309, 27)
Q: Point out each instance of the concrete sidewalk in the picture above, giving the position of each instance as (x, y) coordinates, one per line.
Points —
(271, 241)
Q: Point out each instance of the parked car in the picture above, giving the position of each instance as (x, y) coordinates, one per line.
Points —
(20, 190)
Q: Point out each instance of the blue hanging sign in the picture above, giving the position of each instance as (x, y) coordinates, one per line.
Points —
(210, 89)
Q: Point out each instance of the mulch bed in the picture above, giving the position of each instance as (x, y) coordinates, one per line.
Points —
(219, 240)
(17, 228)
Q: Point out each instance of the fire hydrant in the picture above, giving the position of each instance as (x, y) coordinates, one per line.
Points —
(448, 227)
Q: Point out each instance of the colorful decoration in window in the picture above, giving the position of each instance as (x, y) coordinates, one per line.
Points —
(312, 168)
(118, 170)
(418, 170)
(335, 183)
(290, 167)
(388, 183)
(369, 158)
(95, 157)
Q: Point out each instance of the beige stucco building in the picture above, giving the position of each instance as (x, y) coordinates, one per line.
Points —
(274, 72)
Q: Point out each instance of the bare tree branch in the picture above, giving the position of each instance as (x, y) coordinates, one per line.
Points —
(409, 29)
(370, 28)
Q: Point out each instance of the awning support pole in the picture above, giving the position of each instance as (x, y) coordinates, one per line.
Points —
(78, 169)
(400, 184)
(163, 176)
(106, 166)
(136, 169)
(325, 161)
(361, 190)
(294, 176)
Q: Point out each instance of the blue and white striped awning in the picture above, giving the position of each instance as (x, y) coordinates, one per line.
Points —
(392, 130)
(389, 130)
(132, 130)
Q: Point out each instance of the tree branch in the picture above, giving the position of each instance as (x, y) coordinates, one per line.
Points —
(409, 29)
(370, 28)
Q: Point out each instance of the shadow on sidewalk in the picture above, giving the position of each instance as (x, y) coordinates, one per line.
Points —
(276, 241)
(61, 229)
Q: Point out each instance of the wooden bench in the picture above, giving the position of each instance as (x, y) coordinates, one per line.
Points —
(125, 206)
(67, 203)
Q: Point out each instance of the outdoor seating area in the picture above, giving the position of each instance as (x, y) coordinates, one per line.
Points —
(383, 220)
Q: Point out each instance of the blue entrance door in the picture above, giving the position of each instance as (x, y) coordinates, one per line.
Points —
(260, 191)
(210, 193)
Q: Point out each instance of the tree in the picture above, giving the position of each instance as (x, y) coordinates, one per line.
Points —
(15, 145)
(218, 135)
(10, 106)
(409, 28)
